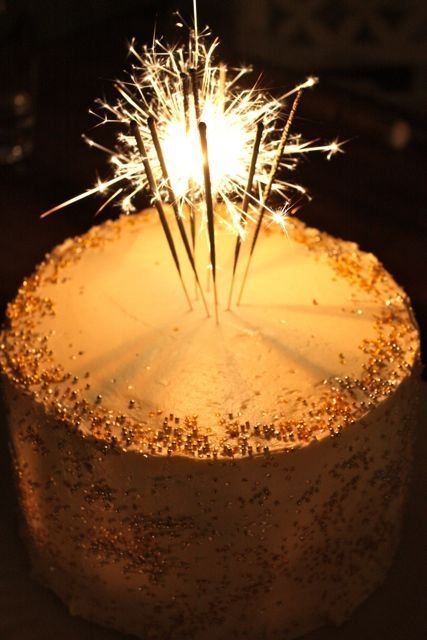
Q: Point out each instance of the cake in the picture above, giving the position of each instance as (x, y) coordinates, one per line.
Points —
(183, 479)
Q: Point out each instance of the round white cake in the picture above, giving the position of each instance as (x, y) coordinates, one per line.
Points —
(183, 479)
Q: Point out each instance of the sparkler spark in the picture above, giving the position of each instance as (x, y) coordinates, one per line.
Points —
(279, 218)
(178, 88)
(154, 88)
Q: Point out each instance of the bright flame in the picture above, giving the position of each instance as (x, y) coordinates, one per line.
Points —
(155, 88)
(231, 115)
(228, 142)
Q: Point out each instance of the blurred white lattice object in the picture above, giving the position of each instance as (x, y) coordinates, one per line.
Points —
(307, 34)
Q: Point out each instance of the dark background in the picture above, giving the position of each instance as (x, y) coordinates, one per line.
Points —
(65, 54)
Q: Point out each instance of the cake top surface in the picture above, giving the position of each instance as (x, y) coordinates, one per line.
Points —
(101, 336)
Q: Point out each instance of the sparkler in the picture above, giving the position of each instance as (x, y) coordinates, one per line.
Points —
(158, 204)
(209, 208)
(157, 146)
(269, 184)
(175, 161)
(245, 205)
(195, 89)
(186, 99)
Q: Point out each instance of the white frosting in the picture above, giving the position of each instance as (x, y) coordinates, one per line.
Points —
(120, 315)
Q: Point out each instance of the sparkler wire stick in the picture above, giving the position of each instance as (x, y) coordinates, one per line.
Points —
(245, 204)
(185, 91)
(172, 197)
(269, 185)
(195, 90)
(209, 208)
(157, 203)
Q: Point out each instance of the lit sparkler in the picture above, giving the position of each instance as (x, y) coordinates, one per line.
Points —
(178, 88)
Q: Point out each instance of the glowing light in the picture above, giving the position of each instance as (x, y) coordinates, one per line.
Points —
(230, 114)
(155, 88)
(279, 218)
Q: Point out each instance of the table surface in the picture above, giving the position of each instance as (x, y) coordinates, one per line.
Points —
(373, 195)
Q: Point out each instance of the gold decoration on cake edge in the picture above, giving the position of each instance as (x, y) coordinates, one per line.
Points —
(26, 360)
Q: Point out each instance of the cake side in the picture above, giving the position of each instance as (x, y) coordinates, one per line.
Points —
(270, 508)
(266, 546)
